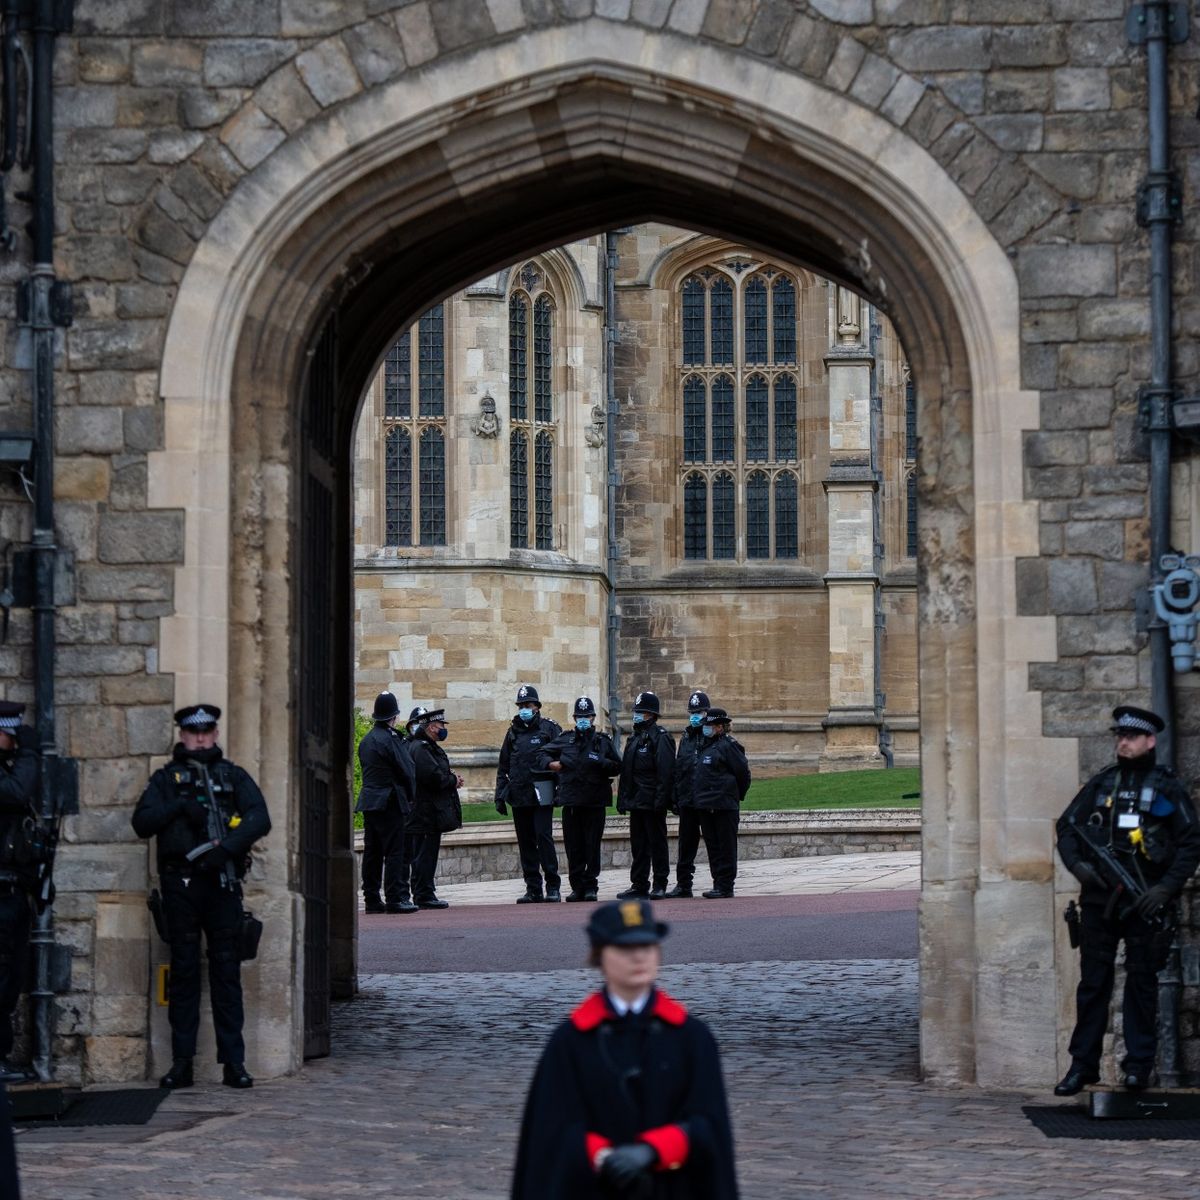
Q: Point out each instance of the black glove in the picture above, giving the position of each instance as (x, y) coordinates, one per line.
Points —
(624, 1165)
(195, 813)
(622, 807)
(1148, 906)
(502, 808)
(214, 859)
(26, 737)
(1088, 875)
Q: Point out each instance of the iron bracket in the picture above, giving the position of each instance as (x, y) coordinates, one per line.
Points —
(1155, 406)
(1144, 22)
(1159, 198)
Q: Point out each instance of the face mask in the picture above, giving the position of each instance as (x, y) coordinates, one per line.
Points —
(442, 734)
(709, 730)
(583, 724)
(639, 718)
(526, 714)
(696, 720)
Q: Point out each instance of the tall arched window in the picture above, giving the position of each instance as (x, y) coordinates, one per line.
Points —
(910, 454)
(420, 477)
(739, 412)
(911, 513)
(531, 320)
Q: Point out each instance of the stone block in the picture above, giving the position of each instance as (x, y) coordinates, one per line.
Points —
(101, 60)
(85, 625)
(1028, 46)
(1108, 633)
(1031, 587)
(1111, 673)
(1055, 677)
(1049, 326)
(103, 145)
(100, 660)
(149, 729)
(81, 479)
(1086, 89)
(809, 46)
(903, 99)
(173, 147)
(1107, 508)
(286, 100)
(132, 345)
(1018, 91)
(1076, 714)
(328, 72)
(1124, 477)
(508, 16)
(459, 23)
(86, 429)
(87, 107)
(174, 63)
(1103, 539)
(115, 1059)
(1056, 449)
(251, 135)
(145, 537)
(1020, 133)
(202, 108)
(1049, 483)
(94, 732)
(106, 258)
(92, 868)
(223, 19)
(126, 583)
(1071, 585)
(417, 35)
(1100, 319)
(769, 27)
(116, 782)
(119, 1015)
(1093, 364)
(1077, 409)
(843, 67)
(140, 689)
(1067, 271)
(941, 48)
(1119, 583)
(376, 51)
(1028, 210)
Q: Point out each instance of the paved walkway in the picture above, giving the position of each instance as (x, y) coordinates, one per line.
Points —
(424, 1092)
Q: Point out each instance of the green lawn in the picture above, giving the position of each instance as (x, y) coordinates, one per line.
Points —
(842, 789)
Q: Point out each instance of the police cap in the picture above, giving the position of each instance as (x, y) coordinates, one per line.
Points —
(1128, 719)
(625, 923)
(386, 707)
(528, 694)
(717, 716)
(198, 718)
(10, 715)
(646, 702)
(584, 707)
(698, 702)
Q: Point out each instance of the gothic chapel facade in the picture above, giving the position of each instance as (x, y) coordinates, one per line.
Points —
(761, 492)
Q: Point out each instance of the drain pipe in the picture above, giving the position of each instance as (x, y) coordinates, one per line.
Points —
(1156, 24)
(46, 306)
(613, 622)
(885, 736)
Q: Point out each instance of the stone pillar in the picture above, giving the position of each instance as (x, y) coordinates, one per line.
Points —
(852, 722)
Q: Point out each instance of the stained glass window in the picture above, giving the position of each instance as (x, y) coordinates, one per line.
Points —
(518, 489)
(758, 515)
(912, 514)
(721, 299)
(910, 418)
(724, 534)
(431, 363)
(758, 421)
(695, 517)
(783, 319)
(518, 365)
(693, 322)
(787, 527)
(542, 360)
(433, 487)
(397, 378)
(543, 481)
(785, 417)
(398, 487)
(722, 419)
(695, 419)
(755, 304)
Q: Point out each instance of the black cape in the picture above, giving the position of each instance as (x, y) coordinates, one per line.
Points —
(605, 1079)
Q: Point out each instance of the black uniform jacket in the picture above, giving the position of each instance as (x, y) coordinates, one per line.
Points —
(519, 756)
(589, 761)
(607, 1080)
(437, 808)
(387, 771)
(690, 742)
(18, 802)
(721, 776)
(1118, 801)
(647, 770)
(160, 811)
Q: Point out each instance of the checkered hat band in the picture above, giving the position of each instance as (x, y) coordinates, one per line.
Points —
(1136, 724)
(10, 722)
(198, 718)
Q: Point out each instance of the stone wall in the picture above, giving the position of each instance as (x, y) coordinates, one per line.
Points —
(479, 853)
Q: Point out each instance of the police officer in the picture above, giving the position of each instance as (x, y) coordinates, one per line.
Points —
(644, 792)
(584, 761)
(18, 866)
(385, 799)
(437, 809)
(1141, 813)
(684, 800)
(721, 778)
(206, 814)
(524, 741)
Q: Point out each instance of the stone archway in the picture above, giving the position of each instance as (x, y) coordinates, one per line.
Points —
(379, 208)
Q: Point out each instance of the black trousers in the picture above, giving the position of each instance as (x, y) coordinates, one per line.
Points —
(689, 843)
(534, 826)
(195, 904)
(1146, 950)
(648, 843)
(720, 837)
(384, 860)
(16, 914)
(583, 829)
(423, 850)
(10, 1188)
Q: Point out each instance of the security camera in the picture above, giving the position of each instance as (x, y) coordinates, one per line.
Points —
(1175, 600)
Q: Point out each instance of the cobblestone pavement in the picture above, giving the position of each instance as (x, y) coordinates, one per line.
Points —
(423, 1096)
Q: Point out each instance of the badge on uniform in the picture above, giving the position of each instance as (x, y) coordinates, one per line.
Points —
(1128, 820)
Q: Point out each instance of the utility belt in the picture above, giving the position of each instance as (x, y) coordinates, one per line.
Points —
(250, 928)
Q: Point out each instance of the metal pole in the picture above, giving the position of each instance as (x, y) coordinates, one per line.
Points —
(610, 449)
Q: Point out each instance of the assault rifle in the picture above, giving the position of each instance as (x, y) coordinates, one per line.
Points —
(216, 832)
(1126, 889)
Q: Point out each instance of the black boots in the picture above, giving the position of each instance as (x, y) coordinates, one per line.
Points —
(1075, 1080)
(530, 897)
(179, 1076)
(235, 1075)
(399, 906)
(679, 892)
(553, 895)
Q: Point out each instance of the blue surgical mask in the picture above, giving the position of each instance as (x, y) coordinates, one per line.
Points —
(638, 718)
(443, 734)
(583, 724)
(526, 714)
(709, 730)
(695, 720)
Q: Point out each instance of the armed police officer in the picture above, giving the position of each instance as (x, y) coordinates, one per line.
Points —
(206, 813)
(385, 800)
(1131, 838)
(684, 798)
(437, 809)
(524, 741)
(720, 780)
(584, 760)
(644, 792)
(19, 864)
